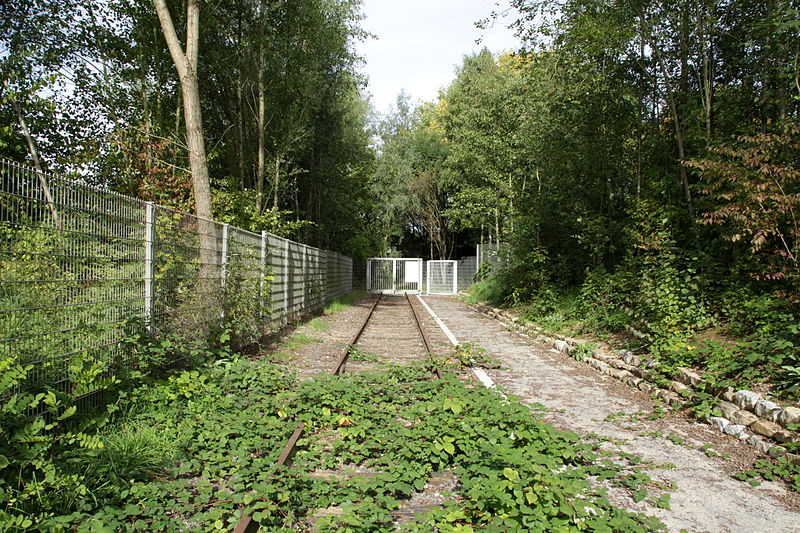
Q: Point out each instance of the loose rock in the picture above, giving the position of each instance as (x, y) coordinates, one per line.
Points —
(765, 428)
(776, 452)
(744, 418)
(765, 407)
(783, 436)
(728, 395)
(561, 346)
(687, 376)
(789, 415)
(727, 409)
(677, 386)
(719, 422)
(746, 399)
(734, 429)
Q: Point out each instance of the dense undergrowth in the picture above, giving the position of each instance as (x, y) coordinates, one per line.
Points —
(663, 307)
(65, 450)
(675, 310)
(187, 450)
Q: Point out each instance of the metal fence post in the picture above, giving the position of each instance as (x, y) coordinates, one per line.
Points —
(263, 275)
(369, 275)
(224, 258)
(455, 277)
(223, 267)
(149, 238)
(287, 278)
(420, 274)
(304, 270)
(428, 280)
(394, 275)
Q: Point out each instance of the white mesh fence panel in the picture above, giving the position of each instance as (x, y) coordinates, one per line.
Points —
(442, 277)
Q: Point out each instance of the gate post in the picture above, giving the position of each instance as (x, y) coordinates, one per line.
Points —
(369, 274)
(428, 279)
(455, 277)
(394, 275)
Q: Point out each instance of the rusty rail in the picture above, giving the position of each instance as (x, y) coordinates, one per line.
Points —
(425, 340)
(246, 523)
(346, 350)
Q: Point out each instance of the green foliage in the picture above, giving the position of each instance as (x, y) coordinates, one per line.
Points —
(584, 350)
(771, 470)
(43, 450)
(755, 193)
(343, 302)
(198, 446)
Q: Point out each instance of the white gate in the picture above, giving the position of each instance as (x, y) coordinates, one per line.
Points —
(394, 274)
(442, 277)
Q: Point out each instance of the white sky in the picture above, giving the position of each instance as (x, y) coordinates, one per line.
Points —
(421, 42)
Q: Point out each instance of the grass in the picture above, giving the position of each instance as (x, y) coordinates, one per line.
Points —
(318, 324)
(134, 452)
(343, 302)
(284, 351)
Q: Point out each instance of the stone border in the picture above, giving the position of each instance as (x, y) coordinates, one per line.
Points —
(741, 410)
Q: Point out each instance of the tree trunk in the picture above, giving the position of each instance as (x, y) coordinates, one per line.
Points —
(186, 65)
(673, 107)
(261, 171)
(707, 58)
(51, 205)
(276, 181)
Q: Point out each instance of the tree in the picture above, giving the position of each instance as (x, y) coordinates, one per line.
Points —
(186, 65)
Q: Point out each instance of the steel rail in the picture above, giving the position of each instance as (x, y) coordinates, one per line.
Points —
(346, 350)
(246, 523)
(425, 340)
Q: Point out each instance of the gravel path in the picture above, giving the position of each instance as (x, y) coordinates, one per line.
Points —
(705, 498)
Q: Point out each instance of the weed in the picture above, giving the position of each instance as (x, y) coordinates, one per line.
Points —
(318, 324)
(344, 302)
(675, 439)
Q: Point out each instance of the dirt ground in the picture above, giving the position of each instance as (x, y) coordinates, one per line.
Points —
(704, 496)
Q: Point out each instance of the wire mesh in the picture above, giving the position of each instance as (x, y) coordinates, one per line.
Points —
(389, 274)
(78, 264)
(491, 256)
(441, 277)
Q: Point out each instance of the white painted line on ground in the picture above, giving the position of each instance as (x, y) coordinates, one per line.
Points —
(482, 376)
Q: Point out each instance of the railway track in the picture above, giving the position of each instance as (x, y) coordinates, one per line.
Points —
(391, 332)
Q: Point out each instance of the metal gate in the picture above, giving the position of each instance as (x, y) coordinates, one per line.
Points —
(394, 274)
(442, 277)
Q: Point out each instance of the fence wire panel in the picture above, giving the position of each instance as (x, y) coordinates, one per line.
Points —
(79, 265)
(442, 277)
(490, 257)
(467, 270)
(71, 271)
(391, 275)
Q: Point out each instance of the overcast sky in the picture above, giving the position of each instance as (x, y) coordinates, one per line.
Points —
(420, 42)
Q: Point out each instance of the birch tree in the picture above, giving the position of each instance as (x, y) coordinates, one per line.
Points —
(186, 65)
